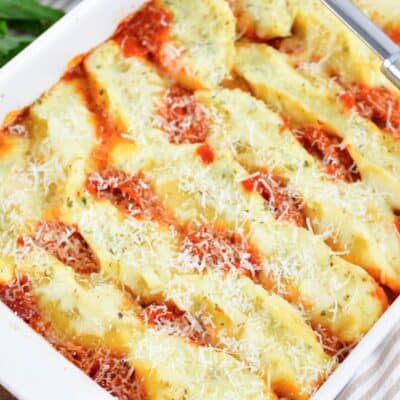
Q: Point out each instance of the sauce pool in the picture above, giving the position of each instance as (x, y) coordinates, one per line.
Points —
(132, 194)
(274, 192)
(219, 249)
(206, 154)
(108, 368)
(379, 104)
(167, 316)
(66, 244)
(182, 117)
(395, 35)
(330, 151)
(145, 32)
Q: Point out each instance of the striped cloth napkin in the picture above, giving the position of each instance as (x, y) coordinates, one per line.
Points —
(62, 4)
(379, 376)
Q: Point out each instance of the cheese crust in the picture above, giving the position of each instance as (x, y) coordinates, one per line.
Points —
(206, 206)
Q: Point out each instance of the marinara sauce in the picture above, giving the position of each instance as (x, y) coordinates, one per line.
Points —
(182, 117)
(378, 104)
(274, 192)
(395, 35)
(329, 150)
(145, 32)
(108, 368)
(66, 243)
(132, 194)
(168, 317)
(107, 128)
(216, 248)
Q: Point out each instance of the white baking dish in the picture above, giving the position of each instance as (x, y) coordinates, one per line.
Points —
(29, 367)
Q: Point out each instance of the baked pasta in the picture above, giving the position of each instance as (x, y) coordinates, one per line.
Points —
(206, 206)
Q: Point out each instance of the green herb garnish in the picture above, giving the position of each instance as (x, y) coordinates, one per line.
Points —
(21, 21)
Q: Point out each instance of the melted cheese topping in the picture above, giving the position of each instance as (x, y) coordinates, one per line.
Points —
(196, 48)
(170, 367)
(274, 79)
(354, 218)
(131, 88)
(127, 246)
(195, 372)
(186, 208)
(250, 324)
(329, 45)
(385, 13)
(131, 202)
(264, 19)
(202, 46)
(62, 136)
(213, 193)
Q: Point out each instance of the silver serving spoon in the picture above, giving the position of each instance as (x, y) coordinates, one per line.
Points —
(371, 34)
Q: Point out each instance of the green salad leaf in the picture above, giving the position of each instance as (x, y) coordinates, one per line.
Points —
(21, 21)
(3, 28)
(11, 45)
(27, 10)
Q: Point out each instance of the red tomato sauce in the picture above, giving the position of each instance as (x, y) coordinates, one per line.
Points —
(113, 372)
(77, 71)
(145, 32)
(395, 35)
(291, 45)
(285, 124)
(206, 247)
(18, 125)
(348, 101)
(66, 244)
(107, 130)
(133, 195)
(329, 150)
(108, 368)
(168, 317)
(331, 343)
(380, 105)
(397, 223)
(18, 297)
(251, 35)
(380, 293)
(397, 220)
(390, 296)
(5, 146)
(183, 118)
(275, 193)
(206, 154)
